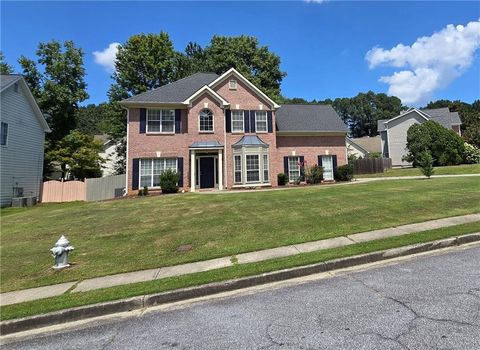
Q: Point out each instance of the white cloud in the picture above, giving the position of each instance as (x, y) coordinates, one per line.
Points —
(430, 63)
(107, 57)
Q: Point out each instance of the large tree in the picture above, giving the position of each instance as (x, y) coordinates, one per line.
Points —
(58, 85)
(5, 68)
(93, 119)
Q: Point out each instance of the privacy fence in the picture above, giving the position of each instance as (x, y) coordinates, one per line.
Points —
(371, 165)
(89, 190)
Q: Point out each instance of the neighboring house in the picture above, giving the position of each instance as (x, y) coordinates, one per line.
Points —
(223, 132)
(23, 129)
(361, 147)
(393, 132)
(108, 154)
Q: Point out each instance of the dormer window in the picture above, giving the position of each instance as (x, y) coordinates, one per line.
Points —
(232, 84)
(205, 122)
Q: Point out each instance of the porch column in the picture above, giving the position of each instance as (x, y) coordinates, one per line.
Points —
(220, 169)
(192, 171)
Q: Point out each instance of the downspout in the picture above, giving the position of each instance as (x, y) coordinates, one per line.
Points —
(225, 175)
(126, 151)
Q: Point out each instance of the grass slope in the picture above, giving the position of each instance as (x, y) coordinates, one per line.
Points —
(444, 170)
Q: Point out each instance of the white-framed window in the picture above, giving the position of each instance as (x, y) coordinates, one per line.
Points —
(160, 120)
(237, 121)
(205, 121)
(265, 168)
(261, 121)
(152, 168)
(4, 134)
(238, 169)
(232, 84)
(253, 167)
(293, 168)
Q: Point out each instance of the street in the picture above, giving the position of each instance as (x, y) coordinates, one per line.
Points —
(425, 302)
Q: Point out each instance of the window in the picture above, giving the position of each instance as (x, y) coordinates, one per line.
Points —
(261, 121)
(206, 120)
(238, 169)
(4, 134)
(293, 168)
(15, 87)
(232, 84)
(151, 169)
(265, 168)
(161, 120)
(237, 121)
(253, 168)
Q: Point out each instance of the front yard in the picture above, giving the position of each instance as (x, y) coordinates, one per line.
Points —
(443, 170)
(140, 233)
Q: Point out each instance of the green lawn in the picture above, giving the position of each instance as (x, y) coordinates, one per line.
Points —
(443, 170)
(140, 233)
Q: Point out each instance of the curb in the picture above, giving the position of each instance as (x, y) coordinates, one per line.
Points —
(139, 302)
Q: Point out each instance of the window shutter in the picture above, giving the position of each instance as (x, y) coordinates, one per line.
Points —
(302, 167)
(269, 121)
(228, 120)
(178, 121)
(285, 165)
(135, 173)
(320, 160)
(334, 161)
(252, 121)
(246, 121)
(143, 120)
(180, 171)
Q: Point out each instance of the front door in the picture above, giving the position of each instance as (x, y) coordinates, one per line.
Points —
(207, 172)
(327, 164)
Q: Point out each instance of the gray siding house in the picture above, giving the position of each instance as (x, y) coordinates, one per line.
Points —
(393, 132)
(23, 129)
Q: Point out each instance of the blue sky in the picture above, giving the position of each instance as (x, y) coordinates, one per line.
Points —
(323, 46)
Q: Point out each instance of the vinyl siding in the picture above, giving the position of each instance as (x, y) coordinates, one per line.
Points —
(384, 140)
(21, 160)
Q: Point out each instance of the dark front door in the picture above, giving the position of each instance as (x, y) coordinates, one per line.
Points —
(207, 172)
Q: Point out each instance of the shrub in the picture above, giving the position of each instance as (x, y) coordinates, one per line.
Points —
(472, 154)
(169, 181)
(344, 172)
(425, 162)
(313, 174)
(140, 192)
(282, 179)
(374, 155)
(145, 191)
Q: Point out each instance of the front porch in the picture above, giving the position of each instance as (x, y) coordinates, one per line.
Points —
(206, 166)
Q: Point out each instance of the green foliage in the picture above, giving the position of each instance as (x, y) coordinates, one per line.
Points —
(425, 163)
(313, 174)
(282, 179)
(77, 153)
(444, 145)
(169, 181)
(344, 172)
(375, 155)
(472, 154)
(5, 68)
(145, 190)
(93, 119)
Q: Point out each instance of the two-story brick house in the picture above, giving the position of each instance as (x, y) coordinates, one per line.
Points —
(222, 132)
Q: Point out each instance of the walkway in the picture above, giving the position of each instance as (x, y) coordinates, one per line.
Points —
(178, 270)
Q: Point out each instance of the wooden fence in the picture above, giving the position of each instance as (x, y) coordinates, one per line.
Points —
(371, 165)
(63, 191)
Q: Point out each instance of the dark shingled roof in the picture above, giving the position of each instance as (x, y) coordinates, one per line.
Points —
(250, 140)
(7, 79)
(442, 116)
(177, 91)
(309, 118)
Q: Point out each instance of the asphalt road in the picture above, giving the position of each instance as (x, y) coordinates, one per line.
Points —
(427, 302)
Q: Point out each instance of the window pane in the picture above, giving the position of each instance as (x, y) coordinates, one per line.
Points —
(206, 120)
(237, 121)
(265, 168)
(153, 125)
(145, 167)
(261, 120)
(171, 163)
(168, 120)
(253, 168)
(238, 169)
(293, 168)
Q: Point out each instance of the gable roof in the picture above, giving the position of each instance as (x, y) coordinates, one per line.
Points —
(443, 116)
(7, 80)
(369, 144)
(308, 118)
(209, 91)
(176, 92)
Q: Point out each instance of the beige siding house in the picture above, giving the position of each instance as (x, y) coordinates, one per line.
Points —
(23, 129)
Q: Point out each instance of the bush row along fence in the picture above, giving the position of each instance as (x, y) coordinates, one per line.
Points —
(89, 190)
(371, 165)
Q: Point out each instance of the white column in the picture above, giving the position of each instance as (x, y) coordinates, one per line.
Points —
(220, 169)
(192, 171)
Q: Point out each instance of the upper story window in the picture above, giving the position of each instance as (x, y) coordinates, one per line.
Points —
(237, 121)
(261, 121)
(161, 120)
(232, 84)
(4, 134)
(205, 122)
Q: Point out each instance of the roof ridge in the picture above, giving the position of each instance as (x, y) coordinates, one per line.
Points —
(176, 81)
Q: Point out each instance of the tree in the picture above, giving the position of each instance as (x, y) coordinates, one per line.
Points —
(425, 163)
(5, 68)
(93, 119)
(59, 87)
(77, 153)
(444, 145)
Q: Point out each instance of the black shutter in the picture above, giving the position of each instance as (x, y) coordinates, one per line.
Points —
(228, 120)
(269, 121)
(302, 167)
(334, 161)
(135, 173)
(180, 171)
(320, 160)
(178, 121)
(246, 120)
(252, 121)
(285, 165)
(143, 120)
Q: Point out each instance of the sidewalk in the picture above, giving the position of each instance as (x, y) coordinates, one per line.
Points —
(163, 272)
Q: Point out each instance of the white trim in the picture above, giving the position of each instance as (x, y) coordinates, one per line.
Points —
(207, 89)
(215, 157)
(231, 121)
(245, 81)
(213, 122)
(410, 110)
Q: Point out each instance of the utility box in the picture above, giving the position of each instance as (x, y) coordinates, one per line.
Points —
(18, 202)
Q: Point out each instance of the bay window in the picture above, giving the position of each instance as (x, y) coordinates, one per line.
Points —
(253, 167)
(238, 169)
